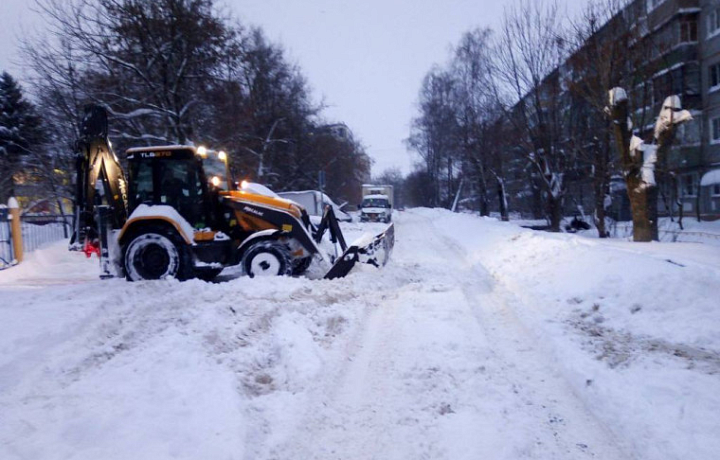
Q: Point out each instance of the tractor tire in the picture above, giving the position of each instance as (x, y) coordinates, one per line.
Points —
(266, 258)
(156, 253)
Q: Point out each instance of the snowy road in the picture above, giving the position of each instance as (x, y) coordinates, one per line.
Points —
(442, 370)
(478, 340)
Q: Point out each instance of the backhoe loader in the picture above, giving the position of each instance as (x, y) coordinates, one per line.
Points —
(179, 214)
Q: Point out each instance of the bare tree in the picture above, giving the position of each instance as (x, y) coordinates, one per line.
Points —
(178, 71)
(434, 136)
(530, 50)
(148, 62)
(479, 113)
(393, 176)
(611, 49)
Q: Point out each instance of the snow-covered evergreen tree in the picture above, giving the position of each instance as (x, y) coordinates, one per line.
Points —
(19, 133)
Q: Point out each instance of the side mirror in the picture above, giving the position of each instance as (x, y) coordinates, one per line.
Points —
(360, 206)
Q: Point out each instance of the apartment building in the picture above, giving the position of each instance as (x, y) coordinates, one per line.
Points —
(685, 59)
(705, 178)
(678, 53)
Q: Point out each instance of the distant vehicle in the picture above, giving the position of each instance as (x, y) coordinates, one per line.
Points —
(387, 190)
(377, 203)
(314, 203)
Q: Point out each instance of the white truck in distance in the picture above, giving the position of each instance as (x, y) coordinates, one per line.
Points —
(377, 203)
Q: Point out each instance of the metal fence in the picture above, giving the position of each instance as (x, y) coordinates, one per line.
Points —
(39, 230)
(6, 251)
(625, 230)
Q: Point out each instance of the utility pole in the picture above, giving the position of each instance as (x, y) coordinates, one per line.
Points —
(321, 180)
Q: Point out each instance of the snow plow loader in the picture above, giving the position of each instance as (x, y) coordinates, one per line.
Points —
(179, 214)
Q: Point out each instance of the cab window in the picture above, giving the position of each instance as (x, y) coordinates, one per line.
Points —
(142, 183)
(180, 187)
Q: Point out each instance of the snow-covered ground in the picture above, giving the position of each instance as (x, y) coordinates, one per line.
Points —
(479, 340)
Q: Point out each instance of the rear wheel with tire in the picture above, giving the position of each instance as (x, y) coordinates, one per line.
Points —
(267, 258)
(156, 254)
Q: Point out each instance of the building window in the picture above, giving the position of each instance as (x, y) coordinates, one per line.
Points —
(688, 185)
(715, 190)
(676, 81)
(688, 30)
(715, 130)
(689, 133)
(663, 87)
(691, 79)
(714, 76)
(713, 23)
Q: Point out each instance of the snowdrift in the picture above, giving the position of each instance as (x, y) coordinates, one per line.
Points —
(479, 340)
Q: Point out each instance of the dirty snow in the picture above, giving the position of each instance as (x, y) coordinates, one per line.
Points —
(479, 340)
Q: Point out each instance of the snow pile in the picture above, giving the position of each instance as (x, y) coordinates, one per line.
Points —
(634, 326)
(479, 339)
(115, 370)
(55, 265)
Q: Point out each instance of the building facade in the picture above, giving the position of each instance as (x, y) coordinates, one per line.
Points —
(685, 57)
(706, 177)
(674, 50)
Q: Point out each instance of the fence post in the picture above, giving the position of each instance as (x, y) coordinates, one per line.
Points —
(16, 229)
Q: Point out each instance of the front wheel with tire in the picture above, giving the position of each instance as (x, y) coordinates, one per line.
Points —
(153, 255)
(266, 258)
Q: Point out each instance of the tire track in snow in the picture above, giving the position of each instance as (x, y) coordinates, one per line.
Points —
(443, 370)
(530, 368)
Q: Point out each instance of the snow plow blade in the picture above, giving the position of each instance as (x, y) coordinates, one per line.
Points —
(370, 250)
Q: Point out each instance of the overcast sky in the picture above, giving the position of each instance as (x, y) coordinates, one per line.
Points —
(365, 58)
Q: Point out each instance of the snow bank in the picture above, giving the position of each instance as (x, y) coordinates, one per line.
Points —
(634, 326)
(419, 360)
(115, 370)
(52, 265)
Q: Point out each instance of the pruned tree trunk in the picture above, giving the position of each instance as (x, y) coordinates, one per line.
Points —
(483, 192)
(502, 199)
(600, 212)
(555, 214)
(638, 160)
(601, 185)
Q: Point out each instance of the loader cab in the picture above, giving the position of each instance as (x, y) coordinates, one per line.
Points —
(175, 176)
